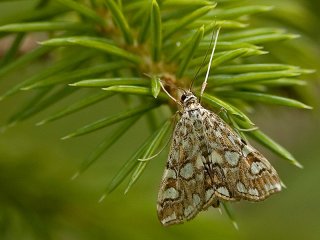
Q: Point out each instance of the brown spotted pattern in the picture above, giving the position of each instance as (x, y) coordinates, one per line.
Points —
(208, 163)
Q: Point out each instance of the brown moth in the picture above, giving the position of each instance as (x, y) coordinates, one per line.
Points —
(208, 162)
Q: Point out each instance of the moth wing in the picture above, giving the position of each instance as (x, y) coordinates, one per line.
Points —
(181, 193)
(237, 170)
(257, 178)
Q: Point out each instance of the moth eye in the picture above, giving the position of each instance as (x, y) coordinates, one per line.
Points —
(183, 97)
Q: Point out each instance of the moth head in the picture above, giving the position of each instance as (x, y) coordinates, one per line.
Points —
(188, 98)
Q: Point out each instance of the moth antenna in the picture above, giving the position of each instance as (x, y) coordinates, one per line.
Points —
(201, 66)
(203, 62)
(175, 100)
(204, 84)
(181, 89)
(163, 88)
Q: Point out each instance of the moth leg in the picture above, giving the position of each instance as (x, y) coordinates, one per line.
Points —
(216, 203)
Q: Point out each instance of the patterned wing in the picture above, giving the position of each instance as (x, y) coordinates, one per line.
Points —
(181, 192)
(257, 178)
(237, 170)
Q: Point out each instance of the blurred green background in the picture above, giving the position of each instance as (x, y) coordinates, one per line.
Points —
(39, 201)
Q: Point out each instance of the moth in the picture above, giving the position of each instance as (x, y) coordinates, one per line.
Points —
(208, 162)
